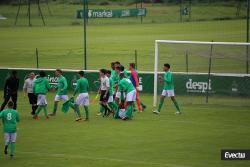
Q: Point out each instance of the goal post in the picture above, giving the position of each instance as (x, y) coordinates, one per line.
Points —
(209, 44)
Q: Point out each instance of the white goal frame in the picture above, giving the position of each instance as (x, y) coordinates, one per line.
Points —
(158, 42)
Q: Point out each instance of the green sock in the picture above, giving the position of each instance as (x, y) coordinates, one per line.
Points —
(115, 106)
(176, 105)
(111, 106)
(72, 105)
(160, 104)
(86, 108)
(55, 107)
(77, 110)
(45, 110)
(129, 111)
(142, 104)
(12, 148)
(101, 109)
(38, 110)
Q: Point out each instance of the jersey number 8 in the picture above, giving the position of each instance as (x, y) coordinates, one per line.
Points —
(9, 116)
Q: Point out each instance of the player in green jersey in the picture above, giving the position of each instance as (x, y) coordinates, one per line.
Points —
(168, 89)
(40, 88)
(82, 86)
(111, 102)
(61, 94)
(10, 117)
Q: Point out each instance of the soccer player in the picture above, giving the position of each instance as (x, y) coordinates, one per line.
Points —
(10, 117)
(11, 89)
(82, 87)
(113, 69)
(62, 86)
(125, 85)
(168, 89)
(40, 88)
(134, 79)
(111, 102)
(104, 91)
(28, 89)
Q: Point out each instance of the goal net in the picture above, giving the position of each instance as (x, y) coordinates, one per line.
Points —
(204, 69)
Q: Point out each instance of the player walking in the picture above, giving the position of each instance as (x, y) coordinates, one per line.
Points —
(62, 86)
(28, 89)
(168, 89)
(111, 102)
(134, 79)
(82, 87)
(40, 88)
(10, 90)
(104, 91)
(10, 117)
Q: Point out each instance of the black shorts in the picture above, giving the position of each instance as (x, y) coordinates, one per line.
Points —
(32, 98)
(102, 99)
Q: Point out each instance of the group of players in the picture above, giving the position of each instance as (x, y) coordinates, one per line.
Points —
(118, 91)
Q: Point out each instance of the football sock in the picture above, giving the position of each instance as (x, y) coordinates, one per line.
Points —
(38, 110)
(45, 110)
(86, 108)
(77, 110)
(160, 104)
(12, 148)
(101, 109)
(129, 111)
(176, 105)
(143, 105)
(55, 107)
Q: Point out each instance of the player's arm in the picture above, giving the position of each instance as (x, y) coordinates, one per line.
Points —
(87, 85)
(25, 86)
(5, 87)
(108, 87)
(48, 85)
(17, 117)
(77, 88)
(65, 85)
(135, 79)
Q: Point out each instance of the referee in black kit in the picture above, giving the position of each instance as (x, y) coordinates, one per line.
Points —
(11, 89)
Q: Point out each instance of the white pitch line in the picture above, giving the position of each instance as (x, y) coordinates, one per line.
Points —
(59, 155)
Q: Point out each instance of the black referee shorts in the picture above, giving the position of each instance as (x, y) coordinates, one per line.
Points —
(32, 98)
(102, 98)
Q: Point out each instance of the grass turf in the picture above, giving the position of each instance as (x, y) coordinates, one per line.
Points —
(193, 139)
(117, 39)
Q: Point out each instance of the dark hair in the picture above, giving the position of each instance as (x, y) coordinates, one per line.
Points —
(10, 104)
(167, 65)
(117, 62)
(122, 75)
(112, 63)
(132, 65)
(59, 70)
(118, 68)
(108, 72)
(42, 74)
(122, 68)
(14, 72)
(103, 71)
(81, 73)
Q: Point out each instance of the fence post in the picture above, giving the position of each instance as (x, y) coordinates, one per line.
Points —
(209, 71)
(37, 59)
(186, 55)
(247, 37)
(136, 65)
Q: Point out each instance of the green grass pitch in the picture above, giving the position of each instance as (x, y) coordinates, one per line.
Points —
(193, 139)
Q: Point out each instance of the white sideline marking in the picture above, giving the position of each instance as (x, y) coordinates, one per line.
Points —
(101, 158)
